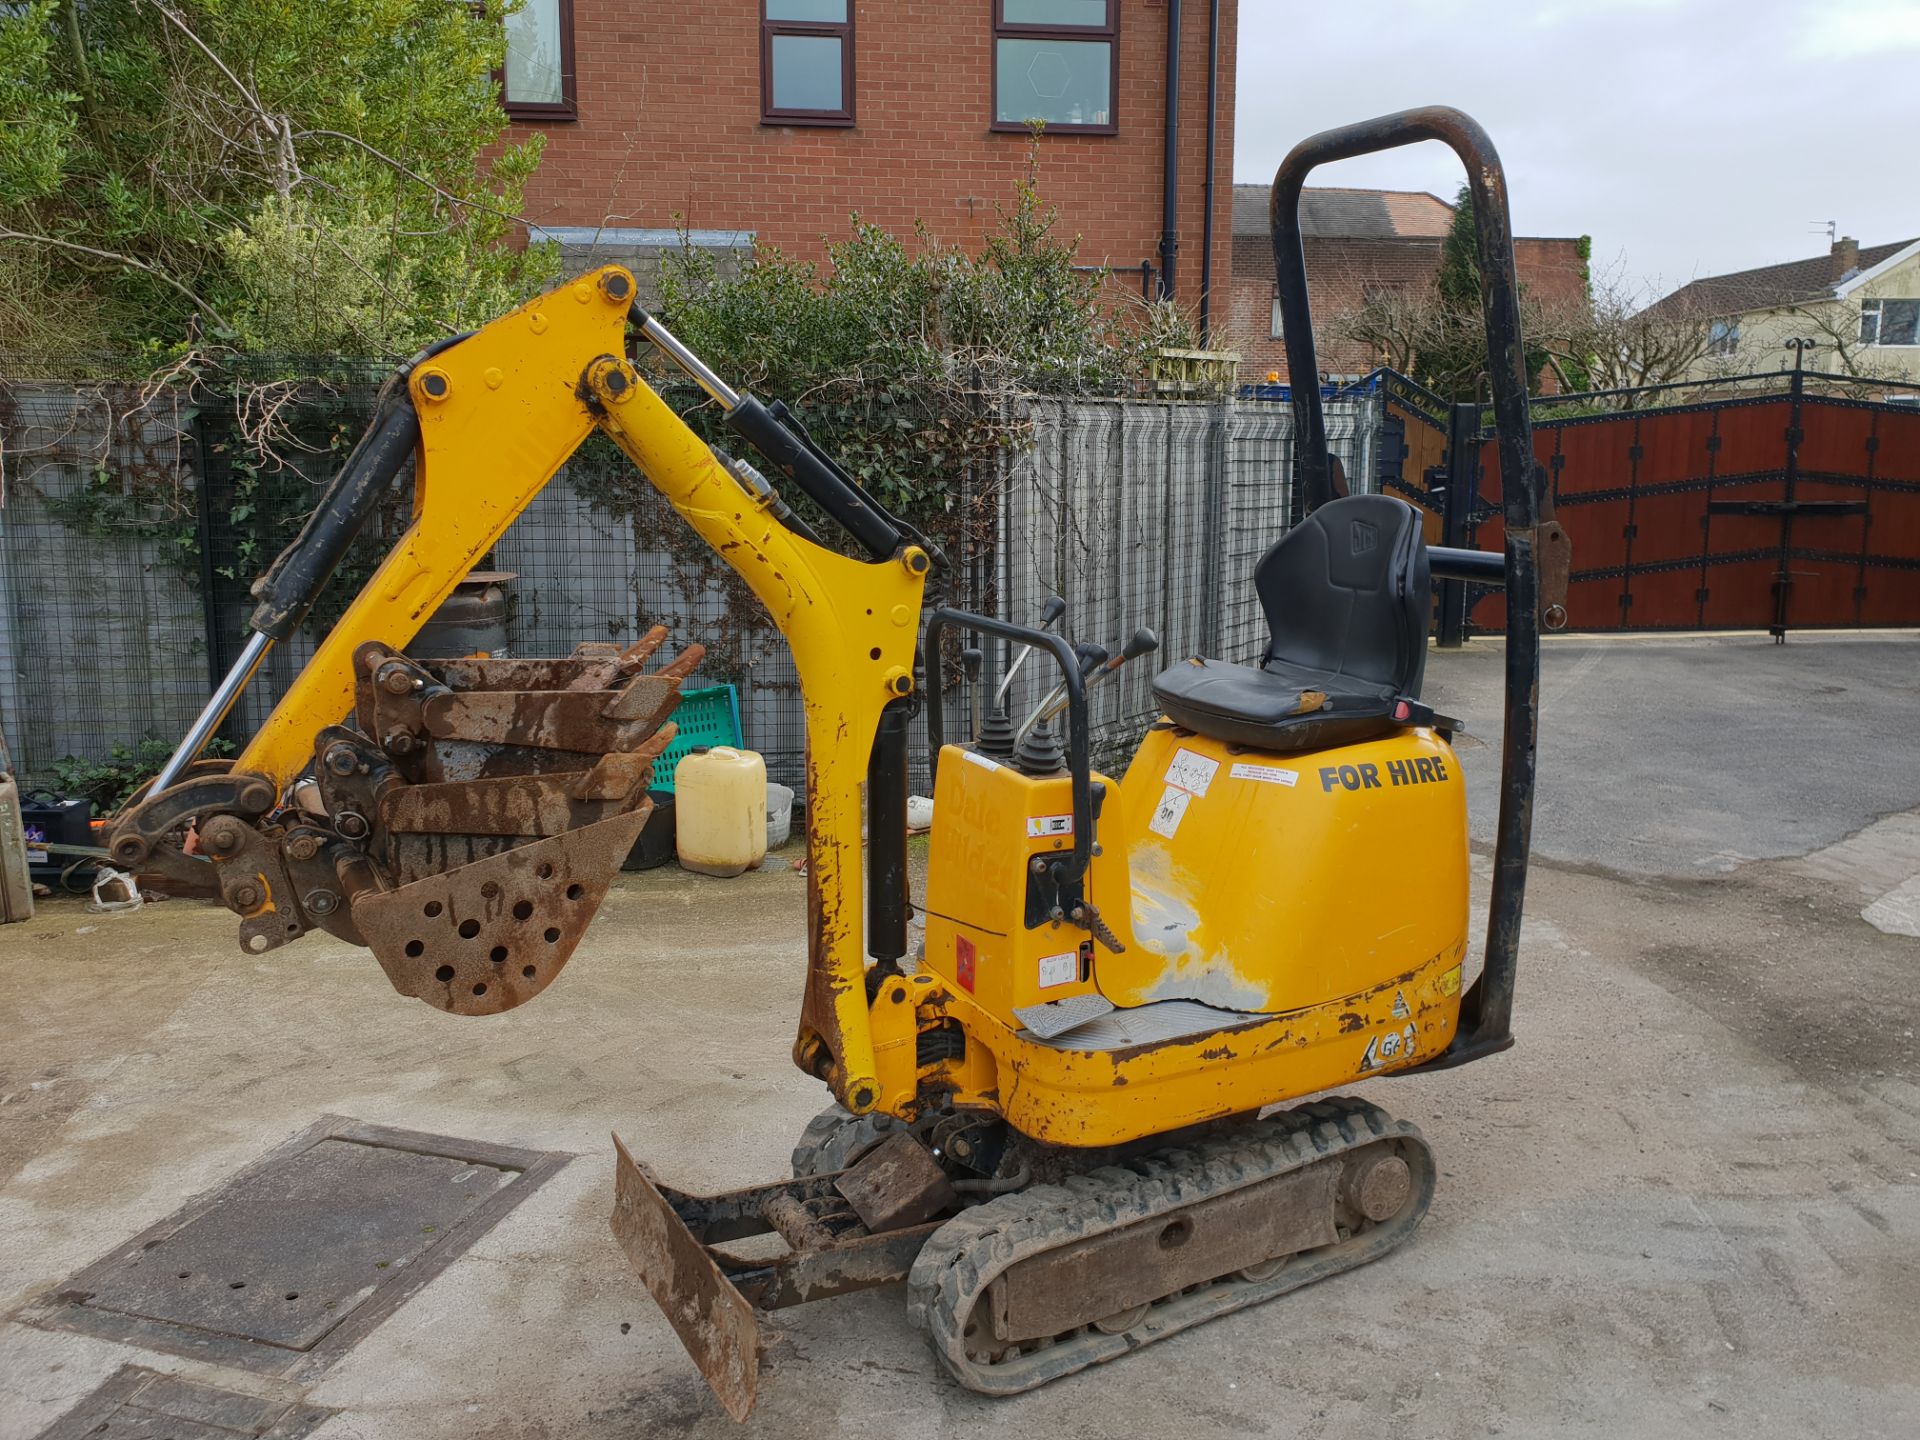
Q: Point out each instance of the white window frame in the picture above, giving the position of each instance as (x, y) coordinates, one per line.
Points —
(1874, 309)
(1276, 330)
(1723, 336)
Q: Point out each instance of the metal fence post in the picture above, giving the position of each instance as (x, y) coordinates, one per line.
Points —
(1790, 477)
(217, 659)
(1463, 487)
(1213, 529)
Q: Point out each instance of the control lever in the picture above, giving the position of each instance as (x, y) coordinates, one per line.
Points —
(972, 662)
(1049, 612)
(1143, 642)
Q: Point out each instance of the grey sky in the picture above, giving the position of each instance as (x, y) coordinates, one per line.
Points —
(1688, 137)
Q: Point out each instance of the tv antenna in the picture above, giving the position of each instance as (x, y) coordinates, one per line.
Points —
(1832, 227)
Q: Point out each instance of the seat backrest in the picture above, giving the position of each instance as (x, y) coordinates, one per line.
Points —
(1348, 590)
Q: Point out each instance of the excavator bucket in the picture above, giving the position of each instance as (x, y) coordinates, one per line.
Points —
(491, 803)
(465, 825)
(487, 936)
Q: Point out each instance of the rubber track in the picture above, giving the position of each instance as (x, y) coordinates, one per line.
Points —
(963, 1258)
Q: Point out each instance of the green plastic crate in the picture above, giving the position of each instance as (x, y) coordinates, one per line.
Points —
(707, 716)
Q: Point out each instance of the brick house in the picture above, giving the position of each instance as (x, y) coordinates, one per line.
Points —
(1359, 243)
(773, 119)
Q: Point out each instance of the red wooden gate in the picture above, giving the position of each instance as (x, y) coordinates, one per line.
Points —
(1776, 511)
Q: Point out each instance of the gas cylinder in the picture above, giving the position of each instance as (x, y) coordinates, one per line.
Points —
(471, 621)
(721, 810)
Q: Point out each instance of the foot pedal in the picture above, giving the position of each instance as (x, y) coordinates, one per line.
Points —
(1056, 1018)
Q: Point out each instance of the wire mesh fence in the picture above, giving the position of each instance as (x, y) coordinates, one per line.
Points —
(1142, 514)
(134, 518)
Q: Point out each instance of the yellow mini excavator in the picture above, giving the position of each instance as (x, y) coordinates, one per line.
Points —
(1052, 1122)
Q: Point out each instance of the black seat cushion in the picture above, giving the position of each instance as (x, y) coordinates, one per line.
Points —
(1346, 595)
(1276, 707)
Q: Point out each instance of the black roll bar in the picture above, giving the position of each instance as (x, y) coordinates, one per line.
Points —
(1486, 1013)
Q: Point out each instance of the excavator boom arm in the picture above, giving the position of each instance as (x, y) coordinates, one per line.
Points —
(497, 413)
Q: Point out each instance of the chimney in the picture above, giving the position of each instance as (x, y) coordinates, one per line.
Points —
(1846, 258)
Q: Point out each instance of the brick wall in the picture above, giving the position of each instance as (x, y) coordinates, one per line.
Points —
(1340, 273)
(669, 133)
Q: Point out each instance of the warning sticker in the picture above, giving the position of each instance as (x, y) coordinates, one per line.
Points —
(1191, 771)
(1169, 812)
(1382, 1048)
(963, 961)
(1400, 1010)
(1450, 981)
(1039, 827)
(1061, 969)
(1265, 774)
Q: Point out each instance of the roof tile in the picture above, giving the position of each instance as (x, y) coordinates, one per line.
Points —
(1767, 286)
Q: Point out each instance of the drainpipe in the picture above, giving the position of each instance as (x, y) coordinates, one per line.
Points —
(1170, 205)
(1213, 125)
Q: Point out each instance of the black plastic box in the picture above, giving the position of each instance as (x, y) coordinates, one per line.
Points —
(57, 822)
(655, 845)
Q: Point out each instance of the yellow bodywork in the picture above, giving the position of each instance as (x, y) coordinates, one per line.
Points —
(1250, 883)
(1244, 881)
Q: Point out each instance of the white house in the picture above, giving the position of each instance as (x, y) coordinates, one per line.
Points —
(1859, 309)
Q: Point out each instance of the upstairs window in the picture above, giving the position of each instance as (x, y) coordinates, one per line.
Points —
(806, 62)
(1723, 337)
(1279, 330)
(1890, 322)
(1056, 61)
(537, 81)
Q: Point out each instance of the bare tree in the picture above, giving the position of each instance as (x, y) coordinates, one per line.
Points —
(1413, 328)
(1396, 323)
(1832, 328)
(1621, 339)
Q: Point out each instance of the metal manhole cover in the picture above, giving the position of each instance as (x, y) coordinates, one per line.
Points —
(289, 1263)
(135, 1403)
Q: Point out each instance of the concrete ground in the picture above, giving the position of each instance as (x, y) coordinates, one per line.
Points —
(1687, 1203)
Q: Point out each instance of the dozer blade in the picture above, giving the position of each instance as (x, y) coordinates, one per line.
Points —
(712, 1318)
(487, 936)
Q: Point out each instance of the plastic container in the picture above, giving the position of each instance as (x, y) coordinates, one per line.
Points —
(779, 814)
(706, 716)
(720, 799)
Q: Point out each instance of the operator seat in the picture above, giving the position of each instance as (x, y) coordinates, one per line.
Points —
(1347, 598)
